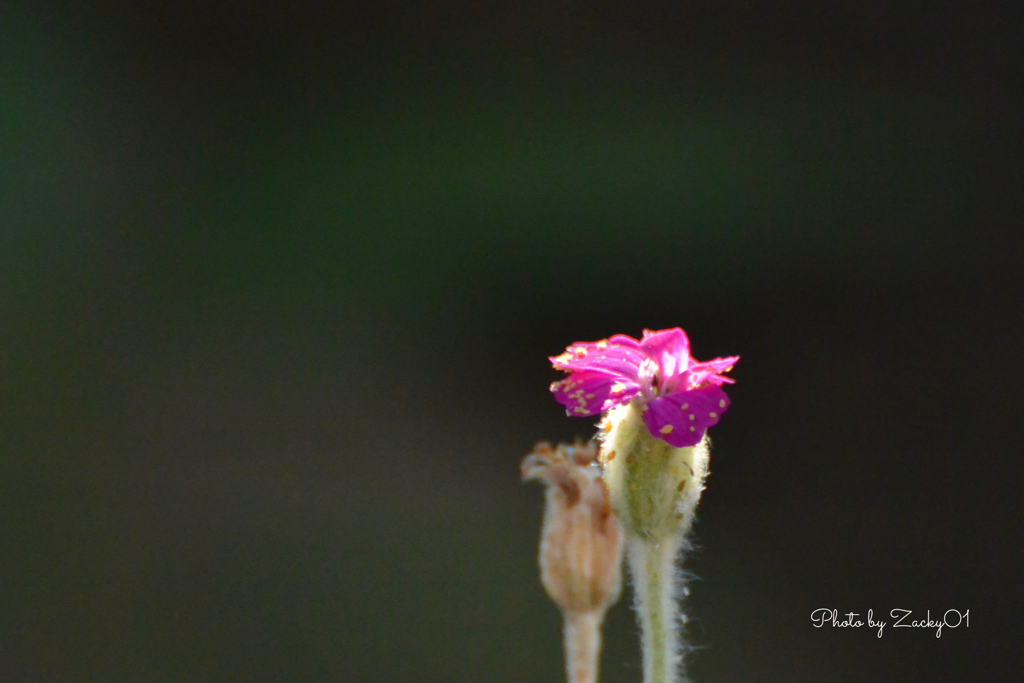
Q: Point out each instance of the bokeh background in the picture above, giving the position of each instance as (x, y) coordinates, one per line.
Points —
(279, 281)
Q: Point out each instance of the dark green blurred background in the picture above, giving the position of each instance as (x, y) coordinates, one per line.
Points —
(279, 281)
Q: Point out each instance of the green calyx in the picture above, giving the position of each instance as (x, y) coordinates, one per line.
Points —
(654, 487)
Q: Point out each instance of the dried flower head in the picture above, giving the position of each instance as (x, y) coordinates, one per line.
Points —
(680, 397)
(581, 541)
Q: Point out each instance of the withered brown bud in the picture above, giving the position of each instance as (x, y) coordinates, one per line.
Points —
(581, 541)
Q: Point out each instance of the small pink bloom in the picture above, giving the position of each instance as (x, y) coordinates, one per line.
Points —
(679, 396)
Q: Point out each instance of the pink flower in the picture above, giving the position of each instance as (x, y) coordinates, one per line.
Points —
(679, 396)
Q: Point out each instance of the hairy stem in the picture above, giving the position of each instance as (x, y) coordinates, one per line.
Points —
(582, 631)
(653, 568)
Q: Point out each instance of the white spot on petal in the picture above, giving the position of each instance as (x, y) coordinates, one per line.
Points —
(692, 417)
(721, 404)
(712, 415)
(667, 429)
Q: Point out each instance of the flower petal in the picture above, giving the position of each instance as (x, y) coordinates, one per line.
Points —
(708, 372)
(670, 349)
(589, 392)
(620, 356)
(681, 418)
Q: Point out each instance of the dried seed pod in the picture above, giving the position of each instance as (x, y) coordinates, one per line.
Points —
(581, 547)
